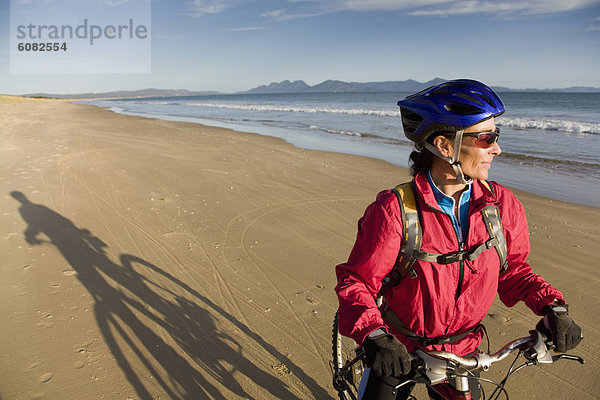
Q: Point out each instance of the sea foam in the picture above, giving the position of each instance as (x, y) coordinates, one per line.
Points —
(298, 109)
(550, 125)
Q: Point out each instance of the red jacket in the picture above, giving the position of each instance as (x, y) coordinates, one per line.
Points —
(428, 304)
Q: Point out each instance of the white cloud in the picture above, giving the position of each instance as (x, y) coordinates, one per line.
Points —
(472, 7)
(595, 26)
(199, 8)
(313, 8)
(246, 29)
(273, 14)
(454, 7)
(116, 3)
(560, 5)
(374, 5)
(285, 15)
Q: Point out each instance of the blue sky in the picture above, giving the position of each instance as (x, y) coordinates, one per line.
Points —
(233, 45)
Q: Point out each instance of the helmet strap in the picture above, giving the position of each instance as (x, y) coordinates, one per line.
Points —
(454, 160)
(455, 164)
(460, 176)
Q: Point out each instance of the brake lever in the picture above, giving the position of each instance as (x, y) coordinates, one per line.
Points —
(538, 351)
(411, 378)
(417, 374)
(568, 357)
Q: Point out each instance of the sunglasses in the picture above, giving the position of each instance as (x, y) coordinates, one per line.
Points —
(484, 139)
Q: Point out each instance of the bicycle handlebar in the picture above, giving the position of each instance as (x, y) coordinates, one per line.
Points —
(479, 360)
(437, 366)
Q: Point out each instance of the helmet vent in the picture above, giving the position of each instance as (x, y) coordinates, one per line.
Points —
(462, 109)
(452, 85)
(440, 92)
(412, 117)
(410, 120)
(486, 99)
(469, 98)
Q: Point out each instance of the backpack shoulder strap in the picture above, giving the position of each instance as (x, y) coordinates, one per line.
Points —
(411, 238)
(493, 224)
(488, 186)
(411, 229)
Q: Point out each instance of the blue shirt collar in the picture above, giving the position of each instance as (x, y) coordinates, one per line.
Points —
(446, 204)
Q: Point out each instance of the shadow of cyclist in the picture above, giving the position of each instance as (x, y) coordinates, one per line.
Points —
(127, 297)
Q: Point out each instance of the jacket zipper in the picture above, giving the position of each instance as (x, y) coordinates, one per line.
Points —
(461, 272)
(461, 247)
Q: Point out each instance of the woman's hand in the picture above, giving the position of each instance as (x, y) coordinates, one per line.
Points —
(566, 334)
(387, 356)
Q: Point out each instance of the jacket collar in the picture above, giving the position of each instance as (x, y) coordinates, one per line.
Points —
(480, 194)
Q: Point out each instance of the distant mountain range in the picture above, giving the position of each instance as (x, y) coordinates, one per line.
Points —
(329, 86)
(409, 85)
(125, 94)
(334, 86)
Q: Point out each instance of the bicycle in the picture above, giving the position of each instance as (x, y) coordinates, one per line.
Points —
(431, 368)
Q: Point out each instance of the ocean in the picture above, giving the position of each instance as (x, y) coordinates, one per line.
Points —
(550, 141)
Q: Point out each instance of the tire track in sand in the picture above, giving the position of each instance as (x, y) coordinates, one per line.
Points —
(236, 238)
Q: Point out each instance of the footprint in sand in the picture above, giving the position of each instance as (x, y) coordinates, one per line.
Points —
(19, 290)
(34, 365)
(46, 377)
(55, 287)
(45, 320)
(69, 272)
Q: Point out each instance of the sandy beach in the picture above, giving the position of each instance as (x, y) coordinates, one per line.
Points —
(148, 259)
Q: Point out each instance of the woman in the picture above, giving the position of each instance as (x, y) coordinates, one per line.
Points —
(440, 306)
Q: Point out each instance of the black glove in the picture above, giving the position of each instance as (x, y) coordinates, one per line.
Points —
(565, 333)
(387, 356)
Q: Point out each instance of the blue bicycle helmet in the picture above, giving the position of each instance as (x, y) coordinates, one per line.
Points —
(450, 106)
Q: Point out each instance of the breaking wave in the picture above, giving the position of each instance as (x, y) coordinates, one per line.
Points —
(288, 108)
(550, 125)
